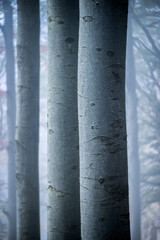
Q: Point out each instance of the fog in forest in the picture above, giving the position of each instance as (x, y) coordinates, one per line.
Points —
(142, 114)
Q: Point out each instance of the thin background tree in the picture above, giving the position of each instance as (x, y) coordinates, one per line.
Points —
(7, 30)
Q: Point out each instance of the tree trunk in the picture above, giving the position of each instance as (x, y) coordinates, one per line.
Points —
(11, 108)
(132, 129)
(101, 110)
(27, 122)
(63, 153)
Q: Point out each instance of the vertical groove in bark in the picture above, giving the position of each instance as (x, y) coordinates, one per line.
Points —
(10, 74)
(101, 111)
(63, 153)
(27, 121)
(133, 155)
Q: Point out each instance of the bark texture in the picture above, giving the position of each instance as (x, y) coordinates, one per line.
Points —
(27, 122)
(63, 153)
(11, 109)
(132, 130)
(101, 111)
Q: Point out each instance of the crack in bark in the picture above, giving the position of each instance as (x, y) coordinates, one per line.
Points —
(84, 186)
(21, 145)
(82, 96)
(115, 65)
(53, 189)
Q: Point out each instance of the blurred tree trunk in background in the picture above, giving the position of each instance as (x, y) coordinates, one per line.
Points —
(101, 107)
(146, 31)
(7, 30)
(27, 121)
(133, 147)
(63, 153)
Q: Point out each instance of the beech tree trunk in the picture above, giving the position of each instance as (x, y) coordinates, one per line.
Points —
(101, 111)
(27, 122)
(11, 109)
(63, 153)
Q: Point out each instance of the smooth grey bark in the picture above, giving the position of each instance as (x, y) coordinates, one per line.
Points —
(101, 111)
(27, 121)
(11, 109)
(63, 152)
(132, 130)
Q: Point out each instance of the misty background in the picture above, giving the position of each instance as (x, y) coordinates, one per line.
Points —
(142, 112)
